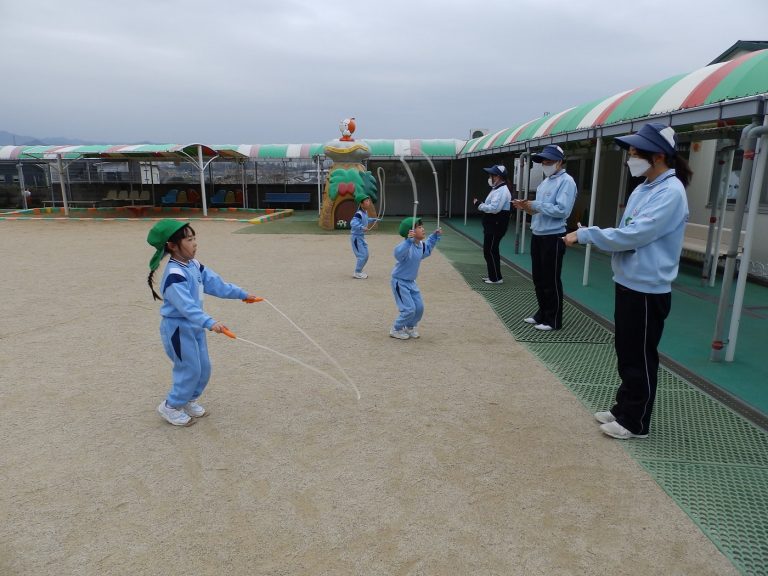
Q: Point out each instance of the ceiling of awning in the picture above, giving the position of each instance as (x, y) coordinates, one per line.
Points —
(705, 88)
(146, 152)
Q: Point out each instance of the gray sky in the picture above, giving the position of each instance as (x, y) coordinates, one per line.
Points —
(288, 71)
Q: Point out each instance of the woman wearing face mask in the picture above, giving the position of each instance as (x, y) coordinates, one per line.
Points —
(646, 250)
(495, 220)
(550, 210)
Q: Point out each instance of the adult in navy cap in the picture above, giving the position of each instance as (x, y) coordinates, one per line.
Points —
(496, 211)
(550, 210)
(645, 251)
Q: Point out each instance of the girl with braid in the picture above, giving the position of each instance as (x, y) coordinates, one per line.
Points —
(183, 321)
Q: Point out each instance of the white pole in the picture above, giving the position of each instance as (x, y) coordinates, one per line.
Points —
(466, 191)
(201, 167)
(61, 182)
(525, 196)
(758, 176)
(622, 201)
(592, 202)
(723, 198)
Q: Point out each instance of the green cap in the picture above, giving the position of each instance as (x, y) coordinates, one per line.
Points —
(407, 224)
(159, 235)
(360, 196)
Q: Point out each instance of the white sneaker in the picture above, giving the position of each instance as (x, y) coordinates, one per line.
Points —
(489, 281)
(360, 275)
(173, 415)
(194, 409)
(411, 332)
(616, 430)
(530, 320)
(543, 327)
(605, 417)
(399, 334)
(485, 278)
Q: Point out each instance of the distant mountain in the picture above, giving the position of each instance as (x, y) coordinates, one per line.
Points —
(11, 139)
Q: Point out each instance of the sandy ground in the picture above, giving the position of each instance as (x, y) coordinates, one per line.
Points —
(463, 456)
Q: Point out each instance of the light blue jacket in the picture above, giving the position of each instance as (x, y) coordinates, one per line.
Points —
(409, 254)
(554, 201)
(360, 222)
(183, 286)
(647, 244)
(498, 199)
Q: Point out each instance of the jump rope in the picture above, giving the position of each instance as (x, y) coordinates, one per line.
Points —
(229, 333)
(382, 208)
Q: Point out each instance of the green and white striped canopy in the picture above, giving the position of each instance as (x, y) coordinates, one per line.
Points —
(705, 88)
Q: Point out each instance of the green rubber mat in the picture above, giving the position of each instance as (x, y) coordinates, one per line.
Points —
(710, 460)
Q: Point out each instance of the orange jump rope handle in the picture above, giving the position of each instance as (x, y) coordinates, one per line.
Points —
(252, 299)
(228, 332)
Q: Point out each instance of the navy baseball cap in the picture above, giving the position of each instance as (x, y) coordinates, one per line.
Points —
(498, 170)
(653, 137)
(550, 152)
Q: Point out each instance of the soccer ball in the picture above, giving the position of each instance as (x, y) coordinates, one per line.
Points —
(341, 224)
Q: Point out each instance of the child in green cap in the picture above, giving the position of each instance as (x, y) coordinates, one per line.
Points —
(360, 224)
(183, 321)
(408, 256)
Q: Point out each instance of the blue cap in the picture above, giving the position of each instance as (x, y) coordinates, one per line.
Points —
(498, 170)
(653, 137)
(550, 152)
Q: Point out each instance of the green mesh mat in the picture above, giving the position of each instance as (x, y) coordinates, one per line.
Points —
(710, 460)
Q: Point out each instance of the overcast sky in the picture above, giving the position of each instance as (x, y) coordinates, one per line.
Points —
(287, 71)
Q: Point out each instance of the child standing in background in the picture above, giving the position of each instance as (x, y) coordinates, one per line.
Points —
(408, 256)
(360, 225)
(183, 323)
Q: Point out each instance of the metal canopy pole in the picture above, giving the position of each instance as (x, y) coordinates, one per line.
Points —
(466, 192)
(201, 167)
(63, 187)
(592, 203)
(319, 189)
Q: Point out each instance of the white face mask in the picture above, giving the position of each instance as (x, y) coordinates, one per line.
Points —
(490, 181)
(638, 166)
(549, 170)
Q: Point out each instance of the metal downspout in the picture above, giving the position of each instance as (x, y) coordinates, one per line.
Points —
(747, 143)
(524, 214)
(466, 191)
(592, 203)
(754, 205)
(523, 161)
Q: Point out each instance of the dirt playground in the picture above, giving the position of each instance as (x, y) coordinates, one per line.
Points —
(463, 456)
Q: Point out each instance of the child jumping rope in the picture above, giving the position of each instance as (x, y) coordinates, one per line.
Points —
(183, 323)
(360, 225)
(408, 256)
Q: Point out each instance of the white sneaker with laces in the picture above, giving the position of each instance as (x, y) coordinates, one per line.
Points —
(399, 334)
(411, 332)
(485, 278)
(530, 320)
(543, 327)
(360, 275)
(489, 281)
(194, 409)
(605, 417)
(174, 415)
(616, 430)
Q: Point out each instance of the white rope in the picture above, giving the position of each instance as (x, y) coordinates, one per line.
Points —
(308, 337)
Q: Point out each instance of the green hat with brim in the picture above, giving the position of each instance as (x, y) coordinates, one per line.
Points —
(408, 224)
(360, 196)
(158, 237)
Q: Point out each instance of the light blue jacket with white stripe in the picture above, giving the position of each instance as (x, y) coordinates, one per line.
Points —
(647, 244)
(555, 197)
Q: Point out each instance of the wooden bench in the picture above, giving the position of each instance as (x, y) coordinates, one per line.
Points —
(287, 197)
(695, 242)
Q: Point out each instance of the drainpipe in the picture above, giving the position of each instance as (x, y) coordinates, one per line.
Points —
(201, 167)
(754, 204)
(523, 160)
(717, 202)
(747, 143)
(592, 203)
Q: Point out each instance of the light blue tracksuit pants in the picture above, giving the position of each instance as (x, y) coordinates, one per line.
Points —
(360, 250)
(409, 303)
(187, 347)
